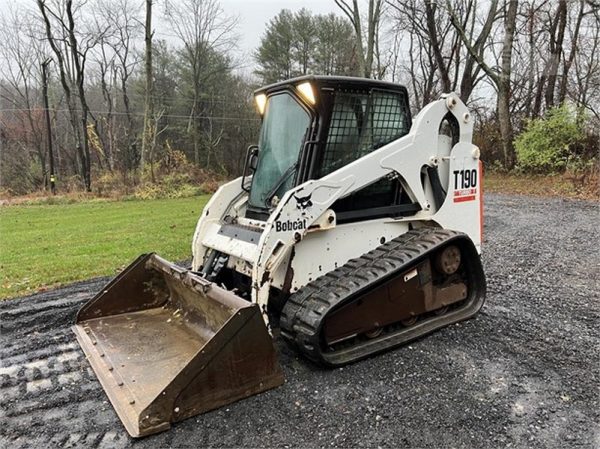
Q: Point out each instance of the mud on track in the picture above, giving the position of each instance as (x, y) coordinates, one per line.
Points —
(524, 372)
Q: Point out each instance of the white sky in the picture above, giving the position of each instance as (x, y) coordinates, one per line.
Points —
(253, 15)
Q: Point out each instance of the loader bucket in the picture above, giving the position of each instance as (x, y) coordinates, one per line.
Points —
(166, 344)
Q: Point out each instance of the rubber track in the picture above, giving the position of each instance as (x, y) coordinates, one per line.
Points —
(304, 312)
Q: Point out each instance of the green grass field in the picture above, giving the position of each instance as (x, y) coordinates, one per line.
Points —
(44, 246)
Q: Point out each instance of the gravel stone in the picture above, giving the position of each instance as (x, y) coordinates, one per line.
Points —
(523, 373)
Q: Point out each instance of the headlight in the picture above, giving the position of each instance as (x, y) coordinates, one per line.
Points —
(261, 103)
(306, 91)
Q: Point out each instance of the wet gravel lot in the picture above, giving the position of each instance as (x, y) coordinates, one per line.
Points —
(524, 373)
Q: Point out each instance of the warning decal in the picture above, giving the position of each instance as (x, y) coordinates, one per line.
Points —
(464, 195)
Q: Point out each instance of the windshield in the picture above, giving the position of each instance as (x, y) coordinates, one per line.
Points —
(281, 137)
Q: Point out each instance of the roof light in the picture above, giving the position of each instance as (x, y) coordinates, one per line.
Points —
(261, 103)
(307, 92)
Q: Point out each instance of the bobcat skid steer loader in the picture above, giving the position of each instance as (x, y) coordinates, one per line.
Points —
(355, 228)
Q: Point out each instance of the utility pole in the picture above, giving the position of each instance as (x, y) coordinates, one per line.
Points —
(48, 129)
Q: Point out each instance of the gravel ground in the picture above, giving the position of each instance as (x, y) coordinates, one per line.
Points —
(524, 372)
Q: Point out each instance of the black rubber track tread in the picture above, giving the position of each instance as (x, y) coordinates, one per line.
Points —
(304, 312)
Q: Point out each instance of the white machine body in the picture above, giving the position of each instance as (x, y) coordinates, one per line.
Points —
(286, 244)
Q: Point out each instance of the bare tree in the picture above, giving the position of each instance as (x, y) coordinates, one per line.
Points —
(205, 31)
(585, 90)
(550, 35)
(66, 81)
(557, 35)
(568, 60)
(126, 24)
(443, 64)
(417, 64)
(501, 77)
(365, 55)
(430, 24)
(64, 41)
(528, 56)
(116, 59)
(23, 57)
(527, 81)
(106, 68)
(48, 125)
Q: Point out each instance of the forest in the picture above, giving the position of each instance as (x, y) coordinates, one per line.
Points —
(152, 98)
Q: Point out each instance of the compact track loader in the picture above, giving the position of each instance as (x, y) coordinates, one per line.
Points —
(355, 228)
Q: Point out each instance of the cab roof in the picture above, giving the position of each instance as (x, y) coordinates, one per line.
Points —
(335, 82)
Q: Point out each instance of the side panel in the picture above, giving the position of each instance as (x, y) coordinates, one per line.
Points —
(323, 251)
(461, 210)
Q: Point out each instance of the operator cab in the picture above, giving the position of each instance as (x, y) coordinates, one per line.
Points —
(314, 125)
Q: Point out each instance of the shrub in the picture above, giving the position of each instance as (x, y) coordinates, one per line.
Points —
(108, 184)
(489, 140)
(70, 184)
(174, 177)
(548, 144)
(160, 190)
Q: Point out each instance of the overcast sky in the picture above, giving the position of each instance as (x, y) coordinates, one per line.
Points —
(253, 15)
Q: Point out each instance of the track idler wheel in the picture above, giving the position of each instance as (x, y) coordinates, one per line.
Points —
(448, 260)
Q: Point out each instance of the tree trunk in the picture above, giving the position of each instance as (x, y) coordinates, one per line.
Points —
(530, 62)
(66, 88)
(569, 62)
(147, 137)
(196, 119)
(556, 43)
(504, 88)
(474, 61)
(467, 81)
(430, 8)
(372, 30)
(500, 78)
(362, 66)
(79, 70)
(365, 59)
(506, 129)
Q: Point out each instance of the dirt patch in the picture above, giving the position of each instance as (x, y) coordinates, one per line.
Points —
(524, 372)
